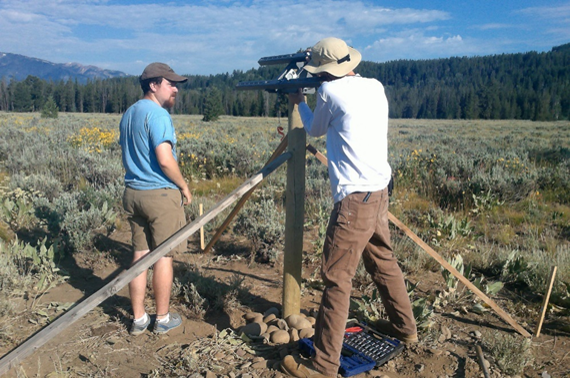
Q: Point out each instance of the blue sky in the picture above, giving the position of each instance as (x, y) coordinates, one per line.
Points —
(218, 36)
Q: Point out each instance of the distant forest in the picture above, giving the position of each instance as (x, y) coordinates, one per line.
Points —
(530, 86)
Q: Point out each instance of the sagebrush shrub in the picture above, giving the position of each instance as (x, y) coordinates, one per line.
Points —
(41, 183)
(263, 224)
(512, 353)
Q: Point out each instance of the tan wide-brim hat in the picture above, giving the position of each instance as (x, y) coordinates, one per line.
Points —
(334, 56)
(161, 70)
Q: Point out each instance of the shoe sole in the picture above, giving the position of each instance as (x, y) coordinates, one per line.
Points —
(139, 331)
(403, 338)
(161, 332)
(285, 370)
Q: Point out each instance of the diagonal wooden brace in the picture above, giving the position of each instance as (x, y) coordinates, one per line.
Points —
(278, 151)
(47, 333)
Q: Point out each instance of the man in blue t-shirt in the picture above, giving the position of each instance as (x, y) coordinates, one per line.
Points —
(155, 191)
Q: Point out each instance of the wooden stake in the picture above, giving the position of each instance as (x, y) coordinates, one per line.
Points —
(47, 333)
(201, 211)
(546, 299)
(295, 214)
(482, 361)
(452, 270)
(282, 146)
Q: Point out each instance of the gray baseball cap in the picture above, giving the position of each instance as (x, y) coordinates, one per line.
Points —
(161, 70)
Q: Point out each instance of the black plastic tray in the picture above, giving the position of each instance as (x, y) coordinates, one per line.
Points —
(373, 344)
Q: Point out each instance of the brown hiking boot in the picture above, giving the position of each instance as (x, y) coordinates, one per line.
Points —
(386, 327)
(300, 368)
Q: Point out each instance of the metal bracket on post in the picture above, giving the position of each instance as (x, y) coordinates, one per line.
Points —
(290, 80)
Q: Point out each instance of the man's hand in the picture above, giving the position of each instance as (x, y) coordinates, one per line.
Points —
(298, 97)
(187, 195)
(170, 168)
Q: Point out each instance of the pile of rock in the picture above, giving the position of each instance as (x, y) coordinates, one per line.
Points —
(270, 328)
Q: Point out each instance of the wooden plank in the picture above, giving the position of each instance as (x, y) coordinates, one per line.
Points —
(243, 200)
(452, 270)
(550, 282)
(295, 214)
(506, 317)
(14, 357)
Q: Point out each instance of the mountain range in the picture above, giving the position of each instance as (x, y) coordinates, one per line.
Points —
(18, 67)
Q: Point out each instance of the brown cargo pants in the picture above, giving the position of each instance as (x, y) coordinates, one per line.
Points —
(358, 226)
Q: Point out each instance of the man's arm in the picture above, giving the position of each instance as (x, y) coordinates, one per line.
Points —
(170, 168)
(315, 124)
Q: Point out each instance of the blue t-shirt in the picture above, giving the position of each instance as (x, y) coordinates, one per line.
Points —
(144, 126)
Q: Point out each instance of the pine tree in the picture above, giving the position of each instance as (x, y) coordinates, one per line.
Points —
(213, 105)
(50, 109)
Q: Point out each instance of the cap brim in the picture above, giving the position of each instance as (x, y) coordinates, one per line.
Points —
(176, 78)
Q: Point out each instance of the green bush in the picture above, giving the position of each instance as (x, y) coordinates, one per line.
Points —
(24, 267)
(41, 183)
(50, 109)
(81, 227)
(201, 293)
(263, 224)
(17, 210)
(74, 222)
(512, 353)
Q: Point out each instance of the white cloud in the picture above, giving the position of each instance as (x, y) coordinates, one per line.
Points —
(416, 45)
(552, 24)
(558, 13)
(493, 26)
(219, 36)
(206, 37)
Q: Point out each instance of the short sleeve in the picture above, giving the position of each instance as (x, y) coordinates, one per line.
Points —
(161, 130)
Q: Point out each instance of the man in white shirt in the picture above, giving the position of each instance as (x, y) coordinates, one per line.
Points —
(353, 112)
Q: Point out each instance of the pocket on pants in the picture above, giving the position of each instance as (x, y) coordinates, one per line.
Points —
(365, 215)
(357, 215)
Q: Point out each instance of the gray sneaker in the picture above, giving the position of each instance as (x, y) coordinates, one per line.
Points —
(175, 321)
(137, 329)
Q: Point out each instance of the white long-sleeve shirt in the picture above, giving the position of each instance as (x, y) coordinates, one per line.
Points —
(353, 112)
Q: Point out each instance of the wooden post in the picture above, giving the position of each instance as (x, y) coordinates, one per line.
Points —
(201, 211)
(295, 214)
(550, 283)
(47, 333)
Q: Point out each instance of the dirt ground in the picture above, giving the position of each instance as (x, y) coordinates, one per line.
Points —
(98, 344)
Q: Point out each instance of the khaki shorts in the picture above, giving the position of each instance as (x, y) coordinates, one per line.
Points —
(154, 216)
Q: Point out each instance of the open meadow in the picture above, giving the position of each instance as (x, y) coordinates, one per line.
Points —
(492, 197)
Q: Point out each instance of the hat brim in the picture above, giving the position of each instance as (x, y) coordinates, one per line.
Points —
(175, 78)
(334, 68)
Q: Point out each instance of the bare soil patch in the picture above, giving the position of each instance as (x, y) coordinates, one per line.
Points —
(98, 345)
